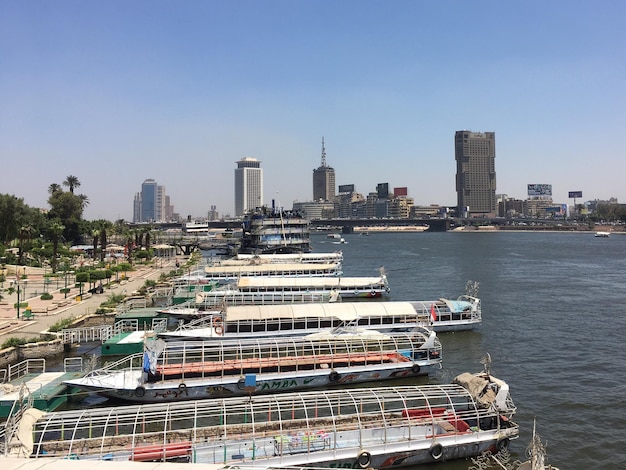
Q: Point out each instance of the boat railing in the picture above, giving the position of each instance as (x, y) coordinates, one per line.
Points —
(130, 362)
(228, 357)
(29, 366)
(443, 312)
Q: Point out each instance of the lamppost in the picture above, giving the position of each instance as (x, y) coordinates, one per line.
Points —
(65, 288)
(17, 283)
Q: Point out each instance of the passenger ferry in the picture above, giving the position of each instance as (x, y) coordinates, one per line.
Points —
(298, 319)
(275, 230)
(262, 288)
(380, 427)
(191, 370)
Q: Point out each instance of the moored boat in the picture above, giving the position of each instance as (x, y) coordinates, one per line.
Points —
(232, 270)
(273, 230)
(188, 370)
(349, 428)
(263, 288)
(241, 321)
(334, 257)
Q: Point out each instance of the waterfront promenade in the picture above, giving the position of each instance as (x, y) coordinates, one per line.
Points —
(46, 313)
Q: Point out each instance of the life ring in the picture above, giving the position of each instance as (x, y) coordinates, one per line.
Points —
(140, 392)
(182, 388)
(502, 444)
(356, 293)
(436, 451)
(334, 376)
(241, 384)
(416, 368)
(373, 293)
(218, 326)
(364, 459)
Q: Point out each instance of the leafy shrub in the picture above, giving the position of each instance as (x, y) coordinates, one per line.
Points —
(61, 324)
(46, 296)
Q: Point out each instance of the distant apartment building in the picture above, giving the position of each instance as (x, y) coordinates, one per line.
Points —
(152, 204)
(248, 185)
(324, 180)
(400, 207)
(475, 155)
(315, 210)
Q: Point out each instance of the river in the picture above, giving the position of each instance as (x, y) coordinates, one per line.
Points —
(554, 318)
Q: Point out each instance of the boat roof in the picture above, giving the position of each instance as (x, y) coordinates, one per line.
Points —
(342, 310)
(312, 282)
(238, 268)
(276, 257)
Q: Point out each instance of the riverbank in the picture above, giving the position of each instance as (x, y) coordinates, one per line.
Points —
(46, 313)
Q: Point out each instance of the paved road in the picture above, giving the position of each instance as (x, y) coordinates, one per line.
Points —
(11, 327)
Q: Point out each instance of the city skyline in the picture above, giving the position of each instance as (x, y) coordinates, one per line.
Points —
(114, 98)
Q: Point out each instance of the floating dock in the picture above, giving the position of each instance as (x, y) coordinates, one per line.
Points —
(29, 382)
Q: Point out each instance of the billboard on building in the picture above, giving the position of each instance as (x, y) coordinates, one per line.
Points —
(346, 188)
(573, 194)
(397, 192)
(539, 190)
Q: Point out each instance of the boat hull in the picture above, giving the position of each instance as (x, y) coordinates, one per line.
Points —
(131, 387)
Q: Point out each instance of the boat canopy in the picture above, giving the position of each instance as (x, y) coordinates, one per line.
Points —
(210, 425)
(345, 311)
(309, 282)
(457, 306)
(240, 269)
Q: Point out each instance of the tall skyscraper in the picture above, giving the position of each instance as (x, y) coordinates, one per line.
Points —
(475, 155)
(248, 185)
(324, 180)
(152, 204)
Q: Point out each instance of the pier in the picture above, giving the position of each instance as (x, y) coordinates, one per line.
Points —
(28, 383)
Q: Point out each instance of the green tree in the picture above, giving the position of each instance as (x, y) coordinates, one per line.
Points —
(54, 187)
(55, 231)
(104, 227)
(13, 215)
(95, 236)
(67, 207)
(71, 182)
(25, 236)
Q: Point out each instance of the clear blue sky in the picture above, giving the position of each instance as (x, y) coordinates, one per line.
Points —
(115, 92)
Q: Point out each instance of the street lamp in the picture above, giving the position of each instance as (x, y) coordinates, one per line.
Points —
(17, 281)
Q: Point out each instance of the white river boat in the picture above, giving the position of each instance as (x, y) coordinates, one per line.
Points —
(253, 321)
(189, 370)
(260, 289)
(384, 427)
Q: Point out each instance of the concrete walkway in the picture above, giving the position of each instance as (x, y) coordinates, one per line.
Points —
(48, 312)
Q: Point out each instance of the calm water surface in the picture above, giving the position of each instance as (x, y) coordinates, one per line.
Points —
(554, 318)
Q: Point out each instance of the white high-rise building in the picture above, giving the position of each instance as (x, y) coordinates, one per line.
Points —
(248, 185)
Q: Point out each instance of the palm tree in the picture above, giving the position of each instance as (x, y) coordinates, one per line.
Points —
(56, 230)
(25, 233)
(104, 226)
(71, 182)
(84, 201)
(53, 188)
(96, 236)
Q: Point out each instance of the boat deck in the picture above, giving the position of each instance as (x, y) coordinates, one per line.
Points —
(47, 390)
(236, 366)
(128, 342)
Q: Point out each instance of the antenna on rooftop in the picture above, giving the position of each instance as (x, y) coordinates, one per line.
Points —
(323, 153)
